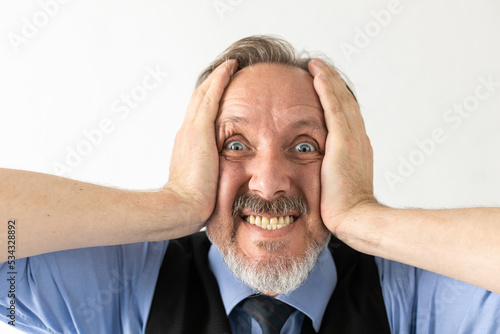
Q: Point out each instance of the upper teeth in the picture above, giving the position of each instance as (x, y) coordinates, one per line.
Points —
(273, 223)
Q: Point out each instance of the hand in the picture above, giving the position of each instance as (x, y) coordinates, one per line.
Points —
(194, 167)
(459, 243)
(347, 168)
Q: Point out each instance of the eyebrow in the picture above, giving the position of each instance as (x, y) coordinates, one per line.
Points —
(307, 123)
(303, 123)
(233, 119)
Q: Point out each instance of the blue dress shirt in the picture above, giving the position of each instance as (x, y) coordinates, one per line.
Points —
(310, 299)
(110, 289)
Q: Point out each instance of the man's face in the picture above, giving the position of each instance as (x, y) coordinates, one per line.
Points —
(271, 136)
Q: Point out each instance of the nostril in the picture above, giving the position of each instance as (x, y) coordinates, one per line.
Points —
(271, 185)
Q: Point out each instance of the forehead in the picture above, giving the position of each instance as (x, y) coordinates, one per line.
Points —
(264, 93)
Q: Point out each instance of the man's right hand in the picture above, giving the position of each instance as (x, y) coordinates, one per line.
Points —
(194, 167)
(56, 213)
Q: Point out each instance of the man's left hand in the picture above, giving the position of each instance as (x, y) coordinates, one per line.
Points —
(459, 243)
(347, 169)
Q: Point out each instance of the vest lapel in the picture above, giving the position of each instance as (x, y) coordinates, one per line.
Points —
(187, 297)
(357, 304)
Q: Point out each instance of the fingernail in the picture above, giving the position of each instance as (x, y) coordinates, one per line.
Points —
(321, 76)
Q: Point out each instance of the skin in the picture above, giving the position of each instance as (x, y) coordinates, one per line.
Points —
(269, 113)
(459, 243)
(71, 214)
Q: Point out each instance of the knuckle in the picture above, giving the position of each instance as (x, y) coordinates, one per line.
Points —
(345, 96)
(198, 94)
(336, 109)
(207, 101)
(345, 140)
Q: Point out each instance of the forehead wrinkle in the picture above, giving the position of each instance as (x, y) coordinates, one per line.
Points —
(233, 121)
(305, 105)
(240, 103)
(230, 121)
(308, 123)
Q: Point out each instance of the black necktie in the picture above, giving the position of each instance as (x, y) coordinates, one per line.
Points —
(269, 312)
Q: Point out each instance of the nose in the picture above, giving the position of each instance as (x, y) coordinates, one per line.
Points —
(269, 176)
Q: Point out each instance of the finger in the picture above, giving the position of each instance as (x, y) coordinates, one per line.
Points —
(336, 122)
(346, 100)
(348, 103)
(199, 94)
(209, 106)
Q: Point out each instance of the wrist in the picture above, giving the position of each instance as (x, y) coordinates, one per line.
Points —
(363, 226)
(177, 214)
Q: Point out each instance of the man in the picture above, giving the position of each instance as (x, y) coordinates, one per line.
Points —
(290, 164)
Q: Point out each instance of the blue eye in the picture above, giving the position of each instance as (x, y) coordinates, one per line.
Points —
(304, 148)
(235, 146)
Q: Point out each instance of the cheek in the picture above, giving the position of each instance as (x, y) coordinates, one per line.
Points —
(221, 223)
(231, 180)
(308, 180)
(312, 191)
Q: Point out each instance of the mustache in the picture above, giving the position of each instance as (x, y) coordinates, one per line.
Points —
(276, 207)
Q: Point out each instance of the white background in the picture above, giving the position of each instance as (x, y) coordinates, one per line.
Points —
(62, 78)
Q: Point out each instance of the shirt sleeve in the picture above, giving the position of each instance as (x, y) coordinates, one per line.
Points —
(419, 301)
(90, 290)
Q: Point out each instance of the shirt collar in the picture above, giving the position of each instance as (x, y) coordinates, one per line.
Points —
(311, 297)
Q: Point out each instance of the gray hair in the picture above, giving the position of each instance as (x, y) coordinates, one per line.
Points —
(263, 49)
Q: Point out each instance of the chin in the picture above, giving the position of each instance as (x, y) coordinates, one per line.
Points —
(279, 268)
(274, 261)
(276, 273)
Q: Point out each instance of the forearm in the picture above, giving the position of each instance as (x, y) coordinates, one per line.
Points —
(463, 243)
(54, 213)
(459, 243)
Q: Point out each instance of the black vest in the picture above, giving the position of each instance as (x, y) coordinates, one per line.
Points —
(187, 298)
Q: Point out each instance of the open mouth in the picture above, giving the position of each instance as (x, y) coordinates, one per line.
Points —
(274, 223)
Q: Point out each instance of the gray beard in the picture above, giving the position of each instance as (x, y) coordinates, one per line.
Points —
(275, 274)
